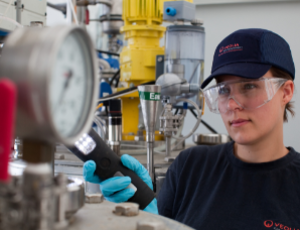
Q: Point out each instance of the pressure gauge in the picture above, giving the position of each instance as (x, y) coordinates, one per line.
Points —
(56, 76)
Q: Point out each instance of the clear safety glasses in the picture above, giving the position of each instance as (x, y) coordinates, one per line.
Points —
(248, 94)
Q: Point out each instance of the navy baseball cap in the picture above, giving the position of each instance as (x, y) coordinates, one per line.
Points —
(250, 53)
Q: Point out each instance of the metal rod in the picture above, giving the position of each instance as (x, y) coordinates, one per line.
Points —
(150, 160)
(18, 11)
(93, 2)
(109, 53)
(60, 7)
(168, 146)
(204, 123)
(114, 77)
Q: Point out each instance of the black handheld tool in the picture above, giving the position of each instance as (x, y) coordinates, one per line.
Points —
(108, 163)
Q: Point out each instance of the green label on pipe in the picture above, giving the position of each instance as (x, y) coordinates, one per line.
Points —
(149, 96)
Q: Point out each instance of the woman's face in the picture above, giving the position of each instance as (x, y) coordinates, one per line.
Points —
(251, 126)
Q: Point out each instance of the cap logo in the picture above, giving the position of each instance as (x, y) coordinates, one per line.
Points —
(230, 48)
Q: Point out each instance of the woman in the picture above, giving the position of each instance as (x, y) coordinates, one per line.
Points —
(252, 182)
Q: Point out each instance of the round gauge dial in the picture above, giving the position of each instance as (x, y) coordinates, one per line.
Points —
(54, 69)
(71, 80)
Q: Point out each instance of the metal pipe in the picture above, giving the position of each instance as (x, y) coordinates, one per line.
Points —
(115, 125)
(150, 159)
(18, 10)
(115, 133)
(150, 97)
(168, 146)
(93, 2)
(38, 198)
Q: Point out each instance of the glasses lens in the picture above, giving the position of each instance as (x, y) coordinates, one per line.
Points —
(245, 94)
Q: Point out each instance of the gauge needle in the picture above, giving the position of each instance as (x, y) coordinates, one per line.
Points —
(68, 75)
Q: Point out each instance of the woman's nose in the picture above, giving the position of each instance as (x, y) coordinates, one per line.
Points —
(233, 104)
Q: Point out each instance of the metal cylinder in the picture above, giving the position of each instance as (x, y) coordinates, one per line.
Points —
(18, 10)
(168, 146)
(150, 98)
(11, 205)
(115, 128)
(36, 24)
(38, 197)
(150, 159)
(61, 201)
(184, 55)
(115, 125)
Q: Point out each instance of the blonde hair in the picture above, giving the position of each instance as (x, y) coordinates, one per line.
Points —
(289, 107)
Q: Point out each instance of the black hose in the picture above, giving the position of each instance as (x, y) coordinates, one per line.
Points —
(109, 53)
(204, 123)
(117, 81)
(176, 111)
(114, 77)
(125, 91)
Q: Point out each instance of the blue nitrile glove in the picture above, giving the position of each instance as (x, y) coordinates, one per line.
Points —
(115, 189)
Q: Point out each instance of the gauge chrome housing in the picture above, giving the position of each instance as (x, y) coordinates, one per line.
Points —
(28, 58)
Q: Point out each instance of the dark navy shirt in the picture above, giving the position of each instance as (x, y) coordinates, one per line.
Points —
(207, 187)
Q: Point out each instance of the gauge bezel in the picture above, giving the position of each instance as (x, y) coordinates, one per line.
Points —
(28, 58)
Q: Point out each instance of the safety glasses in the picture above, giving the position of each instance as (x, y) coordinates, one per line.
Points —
(248, 94)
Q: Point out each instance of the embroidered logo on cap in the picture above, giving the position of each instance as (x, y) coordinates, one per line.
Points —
(230, 48)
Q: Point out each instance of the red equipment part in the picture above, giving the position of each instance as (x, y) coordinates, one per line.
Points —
(8, 94)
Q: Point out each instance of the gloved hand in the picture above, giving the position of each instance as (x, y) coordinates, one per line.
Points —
(115, 189)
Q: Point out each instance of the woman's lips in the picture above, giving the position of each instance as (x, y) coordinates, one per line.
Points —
(239, 122)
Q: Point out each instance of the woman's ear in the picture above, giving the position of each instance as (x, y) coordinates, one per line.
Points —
(288, 91)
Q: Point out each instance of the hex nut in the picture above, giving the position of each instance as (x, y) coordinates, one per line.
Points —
(127, 209)
(93, 198)
(169, 159)
(150, 224)
(197, 22)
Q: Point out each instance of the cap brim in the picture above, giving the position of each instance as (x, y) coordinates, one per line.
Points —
(244, 70)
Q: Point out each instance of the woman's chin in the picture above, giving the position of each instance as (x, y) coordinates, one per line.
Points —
(243, 139)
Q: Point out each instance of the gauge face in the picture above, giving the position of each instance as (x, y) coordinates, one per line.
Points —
(70, 84)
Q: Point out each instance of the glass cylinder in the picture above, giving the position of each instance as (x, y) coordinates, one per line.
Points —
(184, 54)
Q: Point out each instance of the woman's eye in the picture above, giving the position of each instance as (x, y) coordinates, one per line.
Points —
(249, 86)
(224, 91)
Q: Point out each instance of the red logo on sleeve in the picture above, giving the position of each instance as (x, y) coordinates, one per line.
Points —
(277, 226)
(268, 223)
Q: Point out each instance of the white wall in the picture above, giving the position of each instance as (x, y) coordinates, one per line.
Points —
(222, 19)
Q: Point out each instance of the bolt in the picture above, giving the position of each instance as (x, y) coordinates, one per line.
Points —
(150, 224)
(141, 126)
(170, 159)
(93, 198)
(159, 59)
(45, 14)
(127, 209)
(197, 22)
(61, 180)
(179, 22)
(22, 6)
